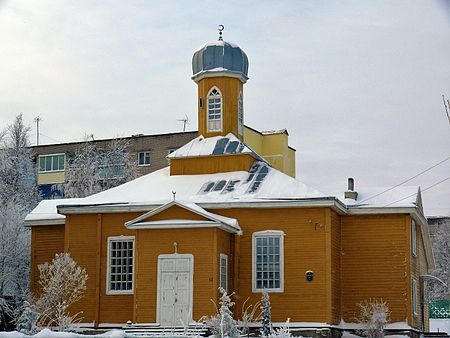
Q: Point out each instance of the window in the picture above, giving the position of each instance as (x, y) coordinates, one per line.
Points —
(143, 158)
(214, 118)
(414, 296)
(413, 238)
(268, 260)
(111, 171)
(240, 115)
(120, 264)
(224, 272)
(170, 151)
(51, 162)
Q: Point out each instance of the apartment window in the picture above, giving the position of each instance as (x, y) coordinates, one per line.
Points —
(414, 296)
(413, 238)
(120, 264)
(143, 158)
(54, 162)
(111, 171)
(224, 271)
(170, 151)
(268, 260)
(240, 115)
(214, 118)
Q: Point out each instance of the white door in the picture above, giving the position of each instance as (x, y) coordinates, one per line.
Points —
(175, 279)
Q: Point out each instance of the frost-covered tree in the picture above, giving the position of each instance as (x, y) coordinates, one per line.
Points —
(228, 326)
(18, 195)
(441, 249)
(266, 329)
(62, 284)
(373, 317)
(92, 170)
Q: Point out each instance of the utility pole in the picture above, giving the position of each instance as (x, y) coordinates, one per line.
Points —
(37, 119)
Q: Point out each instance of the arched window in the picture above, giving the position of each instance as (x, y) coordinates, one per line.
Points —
(240, 115)
(214, 118)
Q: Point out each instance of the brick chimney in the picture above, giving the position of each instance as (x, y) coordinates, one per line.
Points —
(351, 193)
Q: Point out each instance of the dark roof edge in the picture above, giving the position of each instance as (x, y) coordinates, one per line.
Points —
(113, 138)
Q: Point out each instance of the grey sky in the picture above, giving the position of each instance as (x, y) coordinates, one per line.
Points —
(357, 83)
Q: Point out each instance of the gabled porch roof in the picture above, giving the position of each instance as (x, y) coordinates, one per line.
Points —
(209, 219)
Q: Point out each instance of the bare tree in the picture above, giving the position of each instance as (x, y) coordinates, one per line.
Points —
(93, 170)
(373, 317)
(63, 283)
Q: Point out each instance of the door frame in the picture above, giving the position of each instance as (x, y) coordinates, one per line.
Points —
(191, 282)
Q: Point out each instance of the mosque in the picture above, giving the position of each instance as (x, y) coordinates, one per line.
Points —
(158, 248)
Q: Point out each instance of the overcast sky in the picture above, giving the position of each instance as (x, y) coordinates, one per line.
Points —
(358, 84)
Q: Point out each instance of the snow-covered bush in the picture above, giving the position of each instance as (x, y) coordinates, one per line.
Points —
(62, 283)
(228, 326)
(266, 329)
(222, 324)
(440, 241)
(373, 316)
(250, 314)
(26, 321)
(281, 332)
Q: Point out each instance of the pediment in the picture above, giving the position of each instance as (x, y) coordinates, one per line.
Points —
(176, 214)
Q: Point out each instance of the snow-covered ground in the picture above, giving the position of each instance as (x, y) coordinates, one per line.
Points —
(46, 333)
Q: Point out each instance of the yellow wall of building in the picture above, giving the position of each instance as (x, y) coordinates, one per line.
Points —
(50, 177)
(273, 148)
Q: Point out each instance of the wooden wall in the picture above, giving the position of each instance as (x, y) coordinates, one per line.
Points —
(46, 242)
(230, 89)
(304, 249)
(374, 263)
(211, 164)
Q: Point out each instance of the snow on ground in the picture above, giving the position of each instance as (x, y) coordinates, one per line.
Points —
(46, 333)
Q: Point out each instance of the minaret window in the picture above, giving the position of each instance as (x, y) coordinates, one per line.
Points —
(240, 115)
(214, 119)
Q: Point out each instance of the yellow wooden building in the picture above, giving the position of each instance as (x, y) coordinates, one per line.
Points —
(158, 248)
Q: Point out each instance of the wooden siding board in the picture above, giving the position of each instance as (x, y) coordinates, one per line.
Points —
(47, 241)
(374, 250)
(211, 164)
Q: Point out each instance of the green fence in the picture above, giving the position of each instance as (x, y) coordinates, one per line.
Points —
(440, 309)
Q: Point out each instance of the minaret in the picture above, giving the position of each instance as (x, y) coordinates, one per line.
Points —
(220, 70)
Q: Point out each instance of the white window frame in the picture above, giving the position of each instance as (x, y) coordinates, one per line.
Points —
(145, 152)
(414, 297)
(170, 151)
(208, 129)
(413, 238)
(240, 114)
(108, 270)
(223, 282)
(268, 233)
(51, 155)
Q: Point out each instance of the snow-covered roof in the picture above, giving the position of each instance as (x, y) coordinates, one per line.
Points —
(217, 145)
(274, 132)
(46, 211)
(402, 196)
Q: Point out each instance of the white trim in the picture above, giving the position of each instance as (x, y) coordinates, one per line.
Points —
(50, 221)
(215, 73)
(268, 233)
(50, 171)
(414, 298)
(241, 114)
(225, 257)
(221, 110)
(191, 282)
(144, 152)
(183, 224)
(108, 268)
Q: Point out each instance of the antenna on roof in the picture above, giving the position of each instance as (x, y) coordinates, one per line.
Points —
(185, 121)
(37, 119)
(221, 28)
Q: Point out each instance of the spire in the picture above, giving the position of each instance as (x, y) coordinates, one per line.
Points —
(221, 28)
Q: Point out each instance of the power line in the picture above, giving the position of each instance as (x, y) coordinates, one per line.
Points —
(427, 188)
(409, 179)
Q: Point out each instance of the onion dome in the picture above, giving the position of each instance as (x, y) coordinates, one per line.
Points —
(220, 58)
